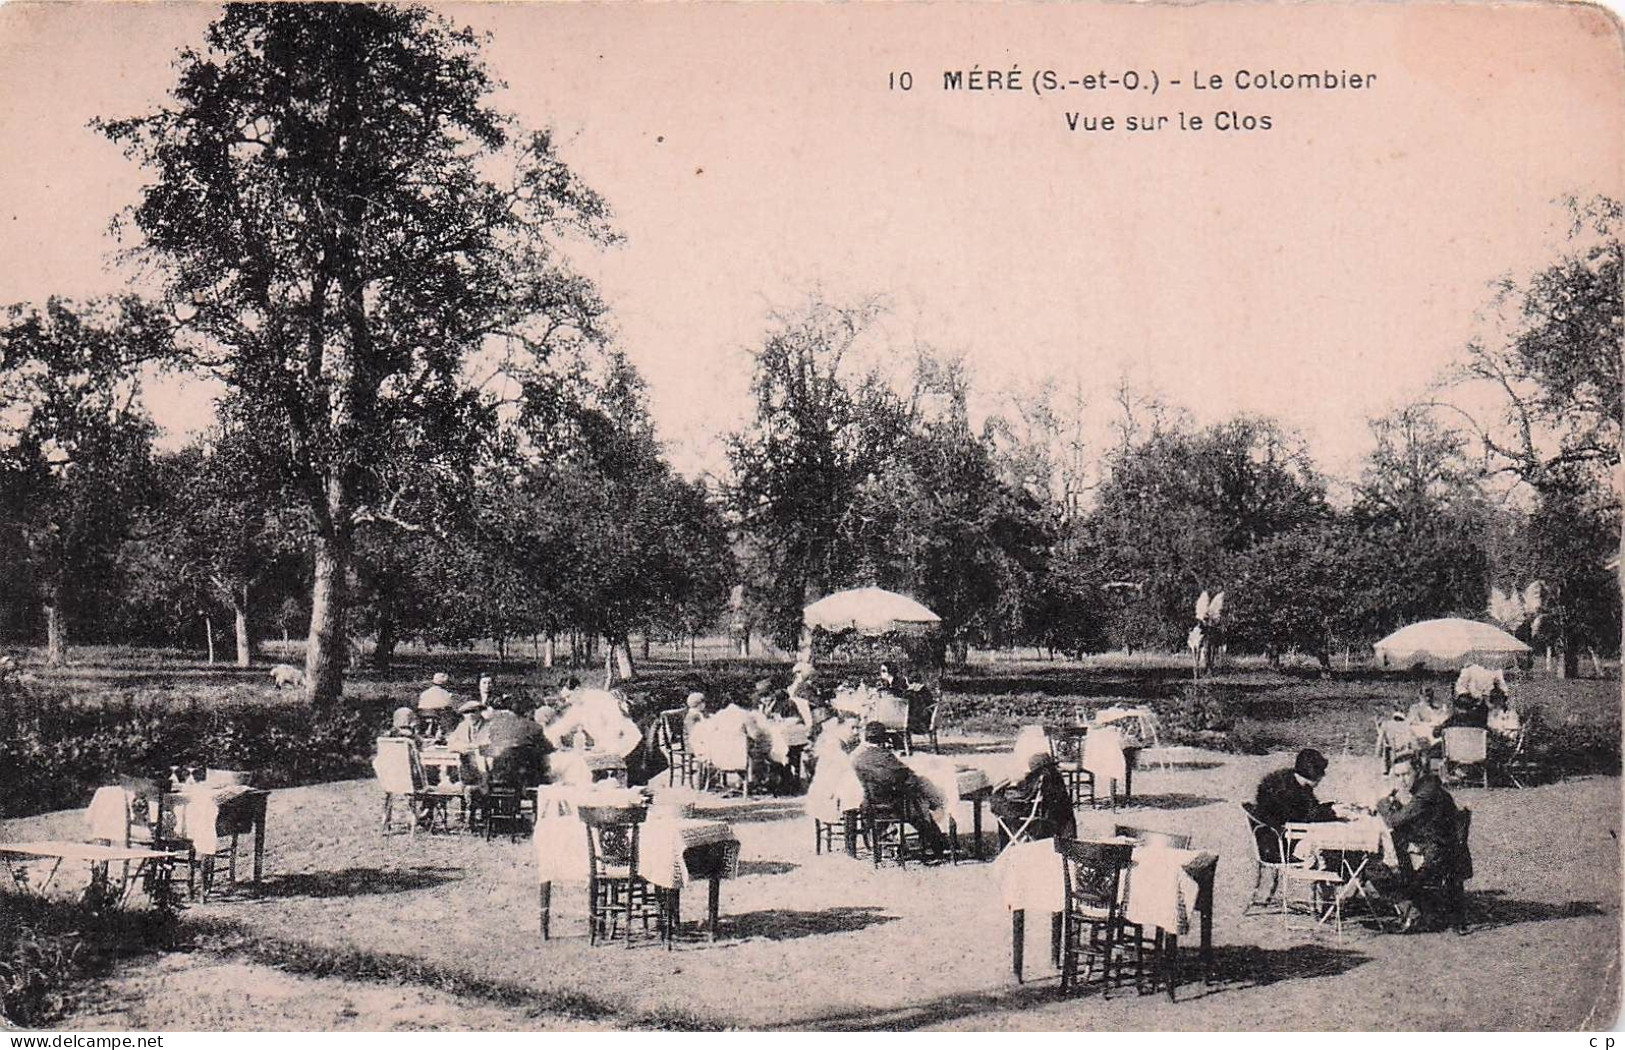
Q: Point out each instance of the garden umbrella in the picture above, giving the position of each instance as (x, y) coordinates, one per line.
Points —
(1450, 640)
(869, 611)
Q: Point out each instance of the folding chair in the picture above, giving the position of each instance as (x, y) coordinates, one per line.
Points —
(1322, 889)
(399, 768)
(1258, 830)
(1466, 746)
(1010, 836)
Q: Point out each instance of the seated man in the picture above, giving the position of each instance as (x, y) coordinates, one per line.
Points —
(403, 723)
(517, 748)
(886, 781)
(1468, 711)
(1287, 796)
(435, 705)
(1422, 816)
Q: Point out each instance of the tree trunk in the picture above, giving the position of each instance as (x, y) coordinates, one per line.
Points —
(245, 644)
(549, 653)
(646, 645)
(1568, 662)
(691, 650)
(324, 656)
(619, 658)
(56, 626)
(383, 650)
(502, 650)
(208, 634)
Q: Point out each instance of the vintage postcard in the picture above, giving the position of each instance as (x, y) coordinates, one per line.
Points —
(810, 517)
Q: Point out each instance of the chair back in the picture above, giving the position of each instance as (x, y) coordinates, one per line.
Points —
(612, 840)
(1466, 745)
(1093, 873)
(399, 766)
(670, 736)
(1150, 837)
(1256, 828)
(1067, 747)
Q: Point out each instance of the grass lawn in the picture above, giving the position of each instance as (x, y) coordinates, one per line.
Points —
(350, 930)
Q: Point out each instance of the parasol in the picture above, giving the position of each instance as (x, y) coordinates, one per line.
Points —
(869, 611)
(1450, 640)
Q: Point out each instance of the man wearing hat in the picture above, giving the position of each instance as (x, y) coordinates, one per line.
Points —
(1287, 796)
(469, 736)
(403, 723)
(887, 781)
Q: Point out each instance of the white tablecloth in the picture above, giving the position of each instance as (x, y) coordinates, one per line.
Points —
(947, 785)
(1363, 834)
(560, 841)
(1160, 887)
(191, 814)
(873, 705)
(785, 733)
(1103, 756)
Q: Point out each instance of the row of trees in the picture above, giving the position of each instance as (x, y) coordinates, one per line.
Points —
(426, 431)
(1506, 475)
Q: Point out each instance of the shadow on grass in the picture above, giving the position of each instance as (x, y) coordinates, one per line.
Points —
(986, 747)
(1174, 800)
(227, 940)
(1492, 910)
(766, 867)
(1175, 764)
(350, 882)
(1234, 967)
(778, 924)
(762, 812)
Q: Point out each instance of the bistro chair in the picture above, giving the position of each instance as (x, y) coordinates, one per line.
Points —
(1305, 890)
(1518, 766)
(618, 897)
(1092, 873)
(1259, 833)
(1466, 747)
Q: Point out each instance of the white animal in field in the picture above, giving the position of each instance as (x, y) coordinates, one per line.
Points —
(286, 674)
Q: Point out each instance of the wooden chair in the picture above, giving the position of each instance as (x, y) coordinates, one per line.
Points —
(1466, 747)
(400, 772)
(673, 740)
(618, 898)
(852, 828)
(1068, 751)
(1090, 922)
(1255, 830)
(889, 834)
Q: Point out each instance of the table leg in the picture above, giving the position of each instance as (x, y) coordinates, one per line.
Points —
(545, 899)
(1055, 939)
(259, 846)
(851, 827)
(1170, 965)
(1018, 940)
(1128, 781)
(976, 827)
(714, 903)
(1207, 944)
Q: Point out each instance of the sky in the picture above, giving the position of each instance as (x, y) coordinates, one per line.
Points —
(1322, 272)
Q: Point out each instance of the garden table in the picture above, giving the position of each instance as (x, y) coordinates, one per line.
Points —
(950, 787)
(672, 852)
(204, 816)
(159, 863)
(1349, 845)
(1163, 889)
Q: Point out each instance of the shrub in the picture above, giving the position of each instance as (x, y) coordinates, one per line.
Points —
(48, 946)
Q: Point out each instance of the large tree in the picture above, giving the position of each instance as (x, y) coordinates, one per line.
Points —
(75, 445)
(342, 219)
(1555, 378)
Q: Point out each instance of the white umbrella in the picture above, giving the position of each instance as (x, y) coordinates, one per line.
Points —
(1448, 640)
(869, 611)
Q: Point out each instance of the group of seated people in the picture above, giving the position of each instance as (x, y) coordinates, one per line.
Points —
(1421, 816)
(1480, 701)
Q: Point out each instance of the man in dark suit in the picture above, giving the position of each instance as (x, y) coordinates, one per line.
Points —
(887, 781)
(1287, 796)
(1424, 830)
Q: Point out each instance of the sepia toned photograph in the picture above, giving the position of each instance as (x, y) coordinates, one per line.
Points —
(699, 517)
